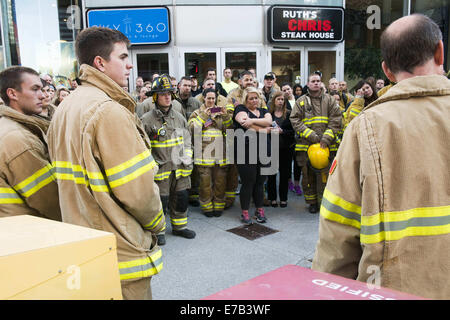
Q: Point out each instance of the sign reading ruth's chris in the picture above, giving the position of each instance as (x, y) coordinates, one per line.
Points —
(305, 24)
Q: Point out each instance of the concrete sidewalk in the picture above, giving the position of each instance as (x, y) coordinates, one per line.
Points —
(217, 259)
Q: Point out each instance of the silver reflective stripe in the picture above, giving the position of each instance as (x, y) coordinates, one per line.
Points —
(131, 169)
(76, 174)
(9, 196)
(339, 210)
(142, 268)
(402, 225)
(35, 182)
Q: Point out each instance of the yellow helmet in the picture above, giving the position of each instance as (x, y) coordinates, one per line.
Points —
(318, 157)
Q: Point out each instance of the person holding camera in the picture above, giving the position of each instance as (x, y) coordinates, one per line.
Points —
(208, 126)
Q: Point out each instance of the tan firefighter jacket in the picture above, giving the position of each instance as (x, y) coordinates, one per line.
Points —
(105, 171)
(27, 182)
(171, 142)
(209, 135)
(315, 123)
(189, 106)
(353, 110)
(385, 211)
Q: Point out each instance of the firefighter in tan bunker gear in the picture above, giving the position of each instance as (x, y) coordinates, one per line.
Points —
(27, 183)
(316, 118)
(208, 127)
(385, 212)
(102, 161)
(171, 148)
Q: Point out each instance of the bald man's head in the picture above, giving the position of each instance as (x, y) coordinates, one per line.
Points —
(410, 42)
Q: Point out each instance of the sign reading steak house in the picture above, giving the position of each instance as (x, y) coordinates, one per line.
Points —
(305, 24)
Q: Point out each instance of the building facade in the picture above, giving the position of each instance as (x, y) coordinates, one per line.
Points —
(184, 37)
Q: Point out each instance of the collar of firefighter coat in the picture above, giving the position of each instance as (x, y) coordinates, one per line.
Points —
(35, 124)
(420, 86)
(322, 93)
(160, 114)
(100, 80)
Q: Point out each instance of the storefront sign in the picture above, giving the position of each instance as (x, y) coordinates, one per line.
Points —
(140, 25)
(305, 24)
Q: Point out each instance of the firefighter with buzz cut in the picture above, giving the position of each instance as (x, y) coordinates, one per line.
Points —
(316, 118)
(171, 149)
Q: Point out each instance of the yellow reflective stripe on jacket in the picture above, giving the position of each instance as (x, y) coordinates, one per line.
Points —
(306, 133)
(314, 120)
(178, 222)
(141, 268)
(65, 170)
(395, 225)
(196, 122)
(155, 221)
(339, 210)
(227, 122)
(301, 147)
(183, 172)
(189, 152)
(386, 226)
(200, 120)
(131, 169)
(162, 175)
(355, 112)
(333, 147)
(36, 181)
(329, 133)
(167, 143)
(212, 133)
(230, 107)
(9, 196)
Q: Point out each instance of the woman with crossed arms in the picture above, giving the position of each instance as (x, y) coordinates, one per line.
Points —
(249, 116)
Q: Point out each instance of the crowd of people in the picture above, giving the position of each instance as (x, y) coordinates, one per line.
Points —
(88, 156)
(278, 101)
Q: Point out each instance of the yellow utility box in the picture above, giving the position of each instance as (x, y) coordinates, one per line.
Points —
(45, 259)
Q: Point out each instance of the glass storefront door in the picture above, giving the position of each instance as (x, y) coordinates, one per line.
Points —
(197, 61)
(287, 66)
(147, 62)
(239, 60)
(323, 61)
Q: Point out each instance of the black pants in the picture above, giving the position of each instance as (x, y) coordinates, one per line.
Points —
(297, 168)
(252, 185)
(286, 156)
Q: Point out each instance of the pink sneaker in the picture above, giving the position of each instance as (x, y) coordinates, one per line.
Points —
(298, 190)
(245, 217)
(260, 217)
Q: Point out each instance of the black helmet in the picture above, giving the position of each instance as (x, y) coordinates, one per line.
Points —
(161, 84)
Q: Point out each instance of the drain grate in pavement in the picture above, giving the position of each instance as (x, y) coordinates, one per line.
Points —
(253, 231)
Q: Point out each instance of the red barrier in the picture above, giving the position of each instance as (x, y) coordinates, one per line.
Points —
(292, 282)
